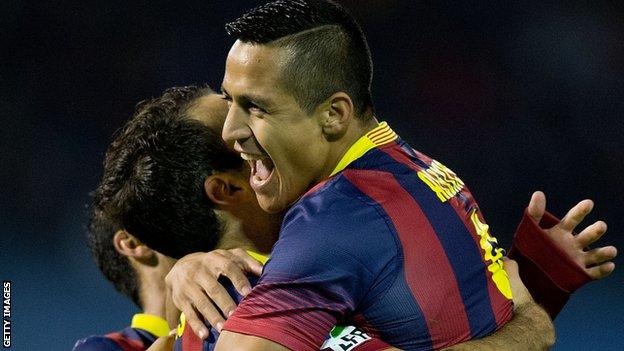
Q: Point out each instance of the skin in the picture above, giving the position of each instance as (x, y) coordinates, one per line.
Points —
(265, 122)
(300, 149)
(193, 280)
(529, 319)
(597, 262)
(195, 276)
(151, 268)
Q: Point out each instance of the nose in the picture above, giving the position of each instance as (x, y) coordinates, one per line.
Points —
(235, 127)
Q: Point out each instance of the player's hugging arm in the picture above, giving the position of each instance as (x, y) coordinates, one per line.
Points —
(529, 329)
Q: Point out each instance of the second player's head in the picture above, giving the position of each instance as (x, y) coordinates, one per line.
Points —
(168, 170)
(298, 75)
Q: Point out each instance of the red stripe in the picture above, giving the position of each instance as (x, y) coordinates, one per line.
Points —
(315, 188)
(427, 270)
(190, 341)
(125, 343)
(501, 306)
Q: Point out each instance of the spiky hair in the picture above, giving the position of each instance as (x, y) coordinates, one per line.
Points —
(329, 52)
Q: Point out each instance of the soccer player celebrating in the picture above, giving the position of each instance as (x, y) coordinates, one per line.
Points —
(147, 154)
(376, 233)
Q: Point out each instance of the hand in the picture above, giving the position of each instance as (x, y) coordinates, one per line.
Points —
(194, 289)
(596, 262)
(520, 293)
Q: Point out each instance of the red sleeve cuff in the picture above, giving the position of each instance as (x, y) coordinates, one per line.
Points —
(549, 273)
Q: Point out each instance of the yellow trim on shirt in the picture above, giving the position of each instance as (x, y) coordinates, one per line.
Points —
(150, 323)
(381, 135)
(258, 257)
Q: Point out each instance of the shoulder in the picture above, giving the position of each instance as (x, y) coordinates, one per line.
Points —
(335, 225)
(335, 210)
(96, 343)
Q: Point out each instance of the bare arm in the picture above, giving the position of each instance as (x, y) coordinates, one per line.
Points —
(529, 329)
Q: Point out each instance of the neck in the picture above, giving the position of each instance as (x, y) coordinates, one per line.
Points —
(250, 229)
(339, 148)
(152, 292)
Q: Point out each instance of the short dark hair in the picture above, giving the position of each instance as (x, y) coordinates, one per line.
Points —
(154, 173)
(330, 52)
(115, 267)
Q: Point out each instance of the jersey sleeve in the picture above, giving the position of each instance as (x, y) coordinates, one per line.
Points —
(549, 274)
(315, 277)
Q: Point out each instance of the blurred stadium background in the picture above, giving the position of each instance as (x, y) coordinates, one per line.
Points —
(514, 96)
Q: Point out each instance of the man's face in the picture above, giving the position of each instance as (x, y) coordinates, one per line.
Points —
(284, 146)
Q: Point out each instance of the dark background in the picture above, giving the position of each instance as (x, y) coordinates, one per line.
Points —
(514, 97)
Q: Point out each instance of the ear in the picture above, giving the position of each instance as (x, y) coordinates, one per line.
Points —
(129, 246)
(226, 189)
(337, 115)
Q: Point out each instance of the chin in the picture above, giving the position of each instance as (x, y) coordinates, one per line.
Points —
(272, 205)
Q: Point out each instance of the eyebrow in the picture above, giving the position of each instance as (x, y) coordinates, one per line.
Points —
(254, 99)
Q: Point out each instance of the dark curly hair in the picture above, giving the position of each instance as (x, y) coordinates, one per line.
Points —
(329, 49)
(154, 173)
(115, 267)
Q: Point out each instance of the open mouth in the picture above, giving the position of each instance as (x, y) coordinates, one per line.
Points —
(261, 168)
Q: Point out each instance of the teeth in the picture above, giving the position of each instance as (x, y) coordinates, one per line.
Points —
(248, 157)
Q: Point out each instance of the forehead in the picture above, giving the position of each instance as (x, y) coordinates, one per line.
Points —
(253, 68)
(211, 110)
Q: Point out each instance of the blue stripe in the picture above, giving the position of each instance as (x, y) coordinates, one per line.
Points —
(409, 328)
(463, 254)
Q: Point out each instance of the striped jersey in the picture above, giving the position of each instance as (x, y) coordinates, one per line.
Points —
(392, 243)
(140, 335)
(340, 338)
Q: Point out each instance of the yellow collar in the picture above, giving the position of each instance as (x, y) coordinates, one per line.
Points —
(381, 135)
(150, 323)
(258, 257)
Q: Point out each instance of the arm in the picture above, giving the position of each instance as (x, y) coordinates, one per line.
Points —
(554, 261)
(529, 329)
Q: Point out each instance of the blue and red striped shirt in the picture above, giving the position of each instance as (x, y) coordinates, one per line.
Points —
(341, 338)
(393, 243)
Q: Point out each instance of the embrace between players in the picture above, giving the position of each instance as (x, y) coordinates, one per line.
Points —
(372, 244)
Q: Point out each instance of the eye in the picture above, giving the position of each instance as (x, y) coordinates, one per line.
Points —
(256, 110)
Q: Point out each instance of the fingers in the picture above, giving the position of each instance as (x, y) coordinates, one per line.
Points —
(204, 305)
(250, 263)
(232, 266)
(197, 291)
(193, 319)
(591, 234)
(216, 295)
(576, 215)
(537, 206)
(601, 271)
(600, 255)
